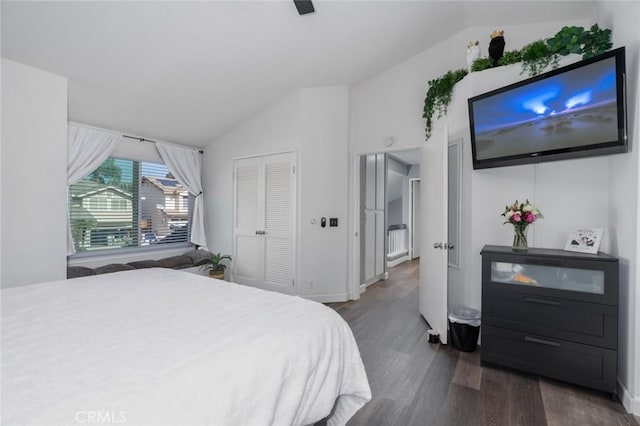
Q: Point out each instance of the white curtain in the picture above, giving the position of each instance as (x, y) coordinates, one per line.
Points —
(87, 149)
(185, 164)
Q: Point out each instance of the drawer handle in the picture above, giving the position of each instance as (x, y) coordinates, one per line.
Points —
(541, 341)
(541, 301)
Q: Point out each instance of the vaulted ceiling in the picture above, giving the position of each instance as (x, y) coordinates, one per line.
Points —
(189, 71)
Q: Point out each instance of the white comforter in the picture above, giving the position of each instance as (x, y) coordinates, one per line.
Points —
(157, 346)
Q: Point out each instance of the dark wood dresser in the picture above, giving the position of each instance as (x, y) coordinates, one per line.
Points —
(552, 313)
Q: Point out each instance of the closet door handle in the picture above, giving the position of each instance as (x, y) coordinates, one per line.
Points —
(541, 301)
(541, 341)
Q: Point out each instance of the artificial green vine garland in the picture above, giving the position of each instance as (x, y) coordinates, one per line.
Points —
(439, 96)
(535, 57)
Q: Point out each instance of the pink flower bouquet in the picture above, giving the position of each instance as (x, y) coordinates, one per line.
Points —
(521, 215)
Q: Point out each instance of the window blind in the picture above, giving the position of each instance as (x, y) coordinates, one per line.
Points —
(126, 203)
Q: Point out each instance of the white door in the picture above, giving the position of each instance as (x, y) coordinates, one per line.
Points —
(279, 223)
(415, 219)
(265, 222)
(247, 243)
(433, 259)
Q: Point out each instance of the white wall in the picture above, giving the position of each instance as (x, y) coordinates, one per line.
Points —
(1, 189)
(34, 175)
(554, 187)
(394, 210)
(397, 192)
(391, 103)
(313, 122)
(624, 190)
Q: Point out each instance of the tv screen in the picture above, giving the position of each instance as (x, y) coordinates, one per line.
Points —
(571, 112)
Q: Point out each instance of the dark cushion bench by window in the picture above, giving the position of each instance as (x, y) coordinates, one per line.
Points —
(78, 271)
(141, 264)
(188, 260)
(114, 267)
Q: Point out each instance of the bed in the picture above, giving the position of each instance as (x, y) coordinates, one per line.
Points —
(159, 346)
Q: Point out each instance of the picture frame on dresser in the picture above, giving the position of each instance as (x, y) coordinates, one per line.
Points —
(585, 240)
(553, 313)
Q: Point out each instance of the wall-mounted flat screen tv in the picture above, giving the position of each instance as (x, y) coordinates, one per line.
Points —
(570, 112)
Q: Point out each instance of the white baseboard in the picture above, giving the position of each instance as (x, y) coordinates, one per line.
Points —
(369, 282)
(326, 298)
(630, 403)
(398, 261)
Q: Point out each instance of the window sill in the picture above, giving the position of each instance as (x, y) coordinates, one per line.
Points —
(101, 258)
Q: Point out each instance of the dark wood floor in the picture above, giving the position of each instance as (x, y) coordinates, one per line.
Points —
(415, 382)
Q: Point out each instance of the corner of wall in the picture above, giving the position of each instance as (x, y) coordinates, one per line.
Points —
(34, 155)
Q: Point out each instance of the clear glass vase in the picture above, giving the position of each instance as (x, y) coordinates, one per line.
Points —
(520, 238)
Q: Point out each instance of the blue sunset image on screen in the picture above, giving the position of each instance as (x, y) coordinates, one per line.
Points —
(568, 110)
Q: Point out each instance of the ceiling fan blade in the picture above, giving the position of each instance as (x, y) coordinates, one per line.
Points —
(304, 6)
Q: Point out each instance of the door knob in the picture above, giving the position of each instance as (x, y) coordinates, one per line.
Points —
(437, 245)
(451, 246)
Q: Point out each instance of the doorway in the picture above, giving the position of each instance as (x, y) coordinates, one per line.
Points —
(388, 212)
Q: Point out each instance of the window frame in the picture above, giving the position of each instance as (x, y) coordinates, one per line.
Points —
(127, 251)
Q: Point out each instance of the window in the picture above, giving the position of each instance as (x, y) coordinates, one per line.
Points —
(126, 203)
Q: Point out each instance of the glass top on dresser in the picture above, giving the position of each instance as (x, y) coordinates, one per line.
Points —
(570, 279)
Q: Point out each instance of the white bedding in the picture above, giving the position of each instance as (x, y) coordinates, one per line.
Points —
(158, 346)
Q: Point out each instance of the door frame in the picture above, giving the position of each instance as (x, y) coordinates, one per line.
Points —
(412, 181)
(354, 289)
(296, 221)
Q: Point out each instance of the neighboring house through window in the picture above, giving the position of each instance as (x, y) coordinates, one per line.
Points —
(126, 203)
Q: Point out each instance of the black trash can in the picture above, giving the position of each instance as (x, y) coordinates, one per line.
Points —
(464, 325)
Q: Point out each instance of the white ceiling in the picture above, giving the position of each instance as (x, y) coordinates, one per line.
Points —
(189, 71)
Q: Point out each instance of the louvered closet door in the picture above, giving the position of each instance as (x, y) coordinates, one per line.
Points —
(264, 213)
(279, 223)
(248, 245)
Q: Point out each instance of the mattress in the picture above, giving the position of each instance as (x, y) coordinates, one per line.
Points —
(164, 347)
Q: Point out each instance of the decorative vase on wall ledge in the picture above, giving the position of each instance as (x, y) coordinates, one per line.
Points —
(520, 238)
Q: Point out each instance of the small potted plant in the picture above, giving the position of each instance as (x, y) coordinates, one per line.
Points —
(215, 266)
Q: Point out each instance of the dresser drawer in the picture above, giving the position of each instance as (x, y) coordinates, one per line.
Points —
(580, 322)
(572, 276)
(573, 362)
